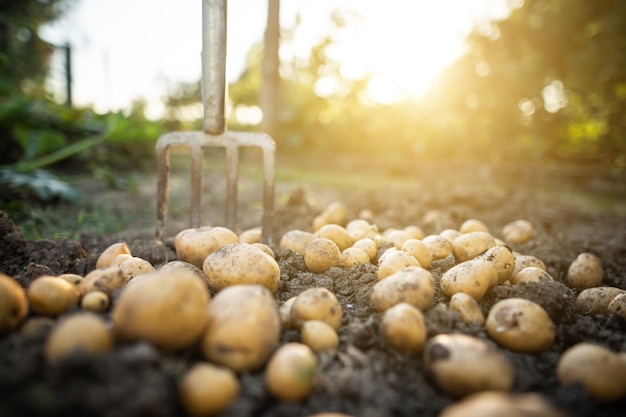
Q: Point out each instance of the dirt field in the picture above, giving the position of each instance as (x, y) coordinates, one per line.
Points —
(573, 209)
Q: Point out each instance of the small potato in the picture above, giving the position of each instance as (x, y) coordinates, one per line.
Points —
(601, 372)
(50, 296)
(243, 327)
(397, 237)
(319, 336)
(593, 301)
(82, 332)
(335, 213)
(469, 245)
(531, 274)
(415, 232)
(73, 279)
(524, 261)
(207, 390)
(418, 250)
(467, 308)
(316, 304)
(296, 240)
(353, 256)
(519, 231)
(195, 244)
(394, 260)
(473, 225)
(502, 260)
(500, 404)
(617, 306)
(241, 263)
(285, 313)
(337, 234)
(105, 258)
(96, 301)
(461, 365)
(368, 246)
(473, 277)
(13, 304)
(361, 229)
(290, 372)
(439, 246)
(450, 234)
(135, 266)
(117, 261)
(321, 254)
(106, 280)
(251, 235)
(585, 272)
(403, 327)
(186, 268)
(413, 285)
(520, 325)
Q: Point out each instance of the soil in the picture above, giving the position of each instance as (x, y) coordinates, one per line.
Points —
(573, 210)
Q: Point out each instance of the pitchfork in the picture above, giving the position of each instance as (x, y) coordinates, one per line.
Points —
(214, 134)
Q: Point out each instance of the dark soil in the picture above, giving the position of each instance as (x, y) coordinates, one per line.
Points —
(365, 378)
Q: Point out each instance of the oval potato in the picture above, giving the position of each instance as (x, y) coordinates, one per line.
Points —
(413, 285)
(585, 272)
(316, 304)
(473, 277)
(82, 332)
(51, 296)
(206, 389)
(193, 245)
(404, 328)
(291, 371)
(13, 303)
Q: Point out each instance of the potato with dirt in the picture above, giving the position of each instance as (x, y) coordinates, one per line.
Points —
(290, 372)
(418, 249)
(502, 260)
(337, 234)
(316, 303)
(84, 332)
(321, 254)
(13, 304)
(473, 277)
(51, 296)
(106, 280)
(135, 266)
(207, 390)
(413, 285)
(467, 308)
(404, 328)
(394, 260)
(469, 245)
(296, 240)
(112, 251)
(193, 245)
(585, 271)
(593, 301)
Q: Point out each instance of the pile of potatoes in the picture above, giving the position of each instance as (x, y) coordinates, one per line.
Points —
(221, 295)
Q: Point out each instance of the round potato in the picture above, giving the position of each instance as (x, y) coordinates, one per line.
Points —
(413, 285)
(334, 213)
(106, 280)
(531, 274)
(418, 250)
(450, 234)
(241, 263)
(207, 390)
(117, 261)
(524, 261)
(105, 258)
(585, 272)
(617, 306)
(520, 325)
(319, 336)
(473, 225)
(519, 231)
(467, 308)
(368, 246)
(473, 277)
(195, 244)
(404, 328)
(439, 246)
(593, 301)
(291, 371)
(337, 234)
(394, 260)
(397, 237)
(469, 245)
(73, 279)
(251, 235)
(96, 301)
(321, 254)
(50, 296)
(415, 232)
(135, 266)
(296, 240)
(353, 256)
(82, 332)
(243, 327)
(184, 267)
(316, 304)
(13, 304)
(361, 229)
(502, 260)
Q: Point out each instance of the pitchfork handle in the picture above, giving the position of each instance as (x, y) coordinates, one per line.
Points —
(214, 65)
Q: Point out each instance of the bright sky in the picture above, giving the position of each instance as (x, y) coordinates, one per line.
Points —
(125, 49)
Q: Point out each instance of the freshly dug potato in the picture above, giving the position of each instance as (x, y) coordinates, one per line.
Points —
(296, 240)
(207, 390)
(265, 249)
(337, 234)
(329, 414)
(396, 237)
(461, 365)
(404, 328)
(519, 231)
(335, 213)
(520, 325)
(415, 232)
(473, 225)
(106, 280)
(321, 254)
(601, 372)
(531, 274)
(593, 301)
(34, 324)
(467, 308)
(251, 235)
(117, 261)
(319, 336)
(413, 285)
(502, 404)
(195, 244)
(13, 304)
(73, 279)
(241, 263)
(617, 306)
(353, 256)
(166, 309)
(83, 332)
(418, 250)
(135, 266)
(50, 296)
(316, 303)
(105, 258)
(502, 260)
(184, 267)
(96, 301)
(469, 245)
(450, 234)
(524, 261)
(361, 229)
(290, 372)
(243, 327)
(585, 272)
(368, 246)
(394, 260)
(473, 277)
(285, 313)
(439, 246)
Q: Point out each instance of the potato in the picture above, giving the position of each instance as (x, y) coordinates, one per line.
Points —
(394, 260)
(502, 260)
(243, 327)
(467, 308)
(195, 244)
(600, 371)
(35, 324)
(96, 301)
(166, 309)
(251, 235)
(316, 303)
(321, 254)
(290, 372)
(473, 225)
(593, 301)
(73, 279)
(413, 285)
(361, 229)
(105, 258)
(368, 246)
(329, 414)
(337, 234)
(296, 240)
(13, 304)
(285, 313)
(83, 332)
(531, 274)
(50, 296)
(469, 245)
(524, 261)
(617, 306)
(319, 336)
(415, 232)
(473, 277)
(241, 263)
(439, 246)
(106, 280)
(520, 325)
(418, 250)
(519, 231)
(206, 389)
(265, 248)
(397, 237)
(450, 234)
(184, 267)
(335, 213)
(585, 272)
(403, 327)
(117, 261)
(353, 256)
(461, 365)
(499, 404)
(135, 266)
